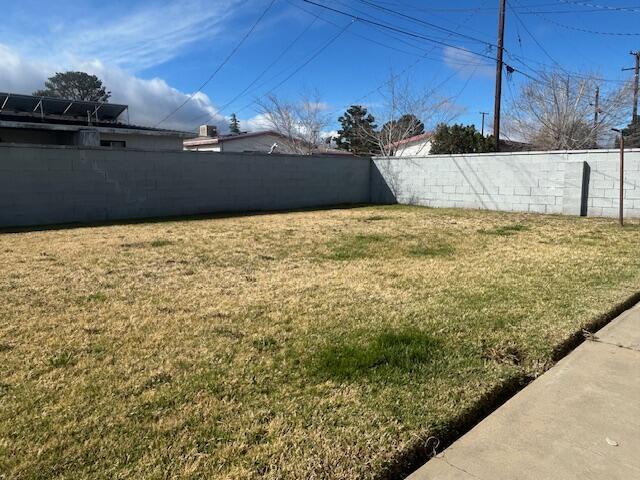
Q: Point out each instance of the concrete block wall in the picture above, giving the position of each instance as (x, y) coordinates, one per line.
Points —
(49, 185)
(573, 183)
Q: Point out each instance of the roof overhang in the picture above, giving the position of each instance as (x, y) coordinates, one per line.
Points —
(101, 129)
(200, 141)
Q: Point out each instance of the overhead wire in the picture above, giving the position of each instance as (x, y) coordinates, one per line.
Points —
(300, 67)
(398, 30)
(220, 66)
(267, 68)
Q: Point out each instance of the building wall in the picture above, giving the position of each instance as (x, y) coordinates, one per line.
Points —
(414, 149)
(579, 182)
(38, 137)
(48, 185)
(204, 148)
(146, 142)
(258, 143)
(160, 141)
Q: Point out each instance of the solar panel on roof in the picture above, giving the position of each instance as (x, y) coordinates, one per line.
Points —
(44, 106)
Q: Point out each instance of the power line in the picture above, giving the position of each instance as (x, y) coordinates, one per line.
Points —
(409, 67)
(224, 62)
(601, 7)
(300, 67)
(397, 30)
(531, 35)
(382, 44)
(265, 70)
(585, 30)
(429, 24)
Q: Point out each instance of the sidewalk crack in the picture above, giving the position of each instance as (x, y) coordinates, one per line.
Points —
(595, 339)
(456, 467)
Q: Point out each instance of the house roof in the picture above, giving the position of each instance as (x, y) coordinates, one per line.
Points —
(32, 123)
(414, 139)
(228, 138)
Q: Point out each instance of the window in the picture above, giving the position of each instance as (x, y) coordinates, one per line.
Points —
(113, 143)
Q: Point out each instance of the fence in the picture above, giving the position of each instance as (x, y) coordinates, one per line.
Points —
(574, 183)
(48, 185)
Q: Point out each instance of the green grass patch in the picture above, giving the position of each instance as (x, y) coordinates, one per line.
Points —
(506, 230)
(160, 243)
(431, 250)
(387, 354)
(62, 359)
(96, 297)
(352, 247)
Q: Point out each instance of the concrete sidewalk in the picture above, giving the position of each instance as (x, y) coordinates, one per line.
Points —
(580, 420)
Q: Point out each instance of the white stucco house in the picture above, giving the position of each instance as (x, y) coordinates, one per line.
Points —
(266, 141)
(413, 146)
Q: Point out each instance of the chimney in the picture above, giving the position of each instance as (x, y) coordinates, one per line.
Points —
(208, 131)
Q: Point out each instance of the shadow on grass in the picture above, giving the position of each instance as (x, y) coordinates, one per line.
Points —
(419, 454)
(174, 218)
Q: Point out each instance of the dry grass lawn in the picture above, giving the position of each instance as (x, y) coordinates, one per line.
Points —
(309, 345)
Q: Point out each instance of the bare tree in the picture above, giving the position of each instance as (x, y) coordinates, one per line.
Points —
(406, 111)
(301, 123)
(557, 112)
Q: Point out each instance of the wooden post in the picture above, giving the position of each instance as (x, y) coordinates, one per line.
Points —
(499, 66)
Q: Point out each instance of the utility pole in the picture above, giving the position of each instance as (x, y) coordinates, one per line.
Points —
(636, 77)
(483, 115)
(499, 65)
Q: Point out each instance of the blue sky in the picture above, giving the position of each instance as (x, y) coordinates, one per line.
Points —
(152, 53)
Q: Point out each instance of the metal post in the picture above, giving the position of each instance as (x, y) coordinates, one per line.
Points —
(621, 178)
(499, 64)
(596, 114)
(483, 115)
(636, 76)
(621, 132)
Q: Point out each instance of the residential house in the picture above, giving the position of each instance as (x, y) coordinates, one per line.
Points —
(28, 119)
(266, 141)
(417, 145)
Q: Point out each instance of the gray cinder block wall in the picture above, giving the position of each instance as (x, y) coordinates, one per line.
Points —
(49, 185)
(573, 183)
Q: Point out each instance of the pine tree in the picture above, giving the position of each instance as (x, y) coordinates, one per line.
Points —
(234, 124)
(452, 139)
(358, 131)
(75, 86)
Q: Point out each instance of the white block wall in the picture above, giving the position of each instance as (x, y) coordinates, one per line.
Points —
(541, 182)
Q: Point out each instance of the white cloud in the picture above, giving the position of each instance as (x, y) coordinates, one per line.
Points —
(466, 62)
(149, 100)
(134, 39)
(258, 122)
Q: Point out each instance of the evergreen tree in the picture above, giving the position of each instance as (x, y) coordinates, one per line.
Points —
(75, 86)
(234, 124)
(408, 125)
(459, 139)
(358, 132)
